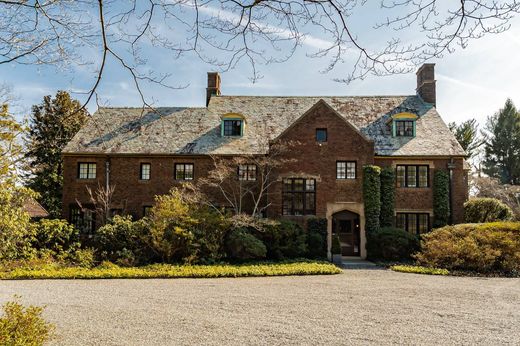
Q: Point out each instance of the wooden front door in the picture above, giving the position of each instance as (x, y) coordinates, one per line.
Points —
(348, 232)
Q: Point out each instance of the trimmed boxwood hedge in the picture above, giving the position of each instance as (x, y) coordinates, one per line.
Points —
(372, 197)
(317, 238)
(478, 210)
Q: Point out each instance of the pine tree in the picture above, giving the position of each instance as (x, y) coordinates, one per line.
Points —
(467, 136)
(52, 125)
(502, 148)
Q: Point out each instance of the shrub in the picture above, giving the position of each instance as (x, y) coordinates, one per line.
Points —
(336, 246)
(372, 197)
(111, 271)
(317, 238)
(208, 237)
(441, 199)
(419, 270)
(391, 244)
(16, 232)
(242, 245)
(23, 325)
(283, 240)
(122, 241)
(484, 248)
(83, 258)
(387, 197)
(57, 237)
(479, 210)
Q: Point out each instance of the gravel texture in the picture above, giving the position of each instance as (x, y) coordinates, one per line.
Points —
(355, 307)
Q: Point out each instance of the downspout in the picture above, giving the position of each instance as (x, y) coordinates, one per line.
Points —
(107, 173)
(451, 166)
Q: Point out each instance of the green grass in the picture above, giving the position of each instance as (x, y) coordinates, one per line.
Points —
(419, 270)
(111, 271)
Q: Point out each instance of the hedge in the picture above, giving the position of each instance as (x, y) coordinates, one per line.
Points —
(478, 210)
(112, 271)
(387, 197)
(372, 197)
(441, 198)
(391, 244)
(317, 238)
(483, 248)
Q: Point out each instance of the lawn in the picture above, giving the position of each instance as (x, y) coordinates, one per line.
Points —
(112, 271)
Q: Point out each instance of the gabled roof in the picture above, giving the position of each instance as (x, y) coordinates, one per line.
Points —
(169, 130)
(34, 209)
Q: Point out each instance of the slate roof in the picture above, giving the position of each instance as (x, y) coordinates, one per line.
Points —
(177, 130)
(34, 209)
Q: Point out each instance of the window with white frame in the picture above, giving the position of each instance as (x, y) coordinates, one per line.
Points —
(183, 171)
(86, 170)
(247, 172)
(346, 170)
(146, 170)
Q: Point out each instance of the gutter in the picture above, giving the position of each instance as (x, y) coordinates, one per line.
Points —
(451, 167)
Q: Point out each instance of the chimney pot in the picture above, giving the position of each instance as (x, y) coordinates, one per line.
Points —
(213, 86)
(426, 83)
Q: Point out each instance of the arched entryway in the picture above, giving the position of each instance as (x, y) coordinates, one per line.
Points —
(346, 225)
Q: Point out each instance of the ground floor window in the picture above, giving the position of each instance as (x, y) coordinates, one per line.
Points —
(415, 223)
(299, 196)
(83, 219)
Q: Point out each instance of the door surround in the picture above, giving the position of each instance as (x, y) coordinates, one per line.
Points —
(353, 207)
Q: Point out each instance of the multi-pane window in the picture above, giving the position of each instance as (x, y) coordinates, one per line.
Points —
(246, 172)
(412, 175)
(146, 170)
(147, 209)
(321, 135)
(86, 170)
(232, 127)
(184, 171)
(299, 196)
(346, 170)
(415, 223)
(83, 219)
(404, 128)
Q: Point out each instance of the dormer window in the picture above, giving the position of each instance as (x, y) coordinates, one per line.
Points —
(232, 125)
(404, 128)
(403, 124)
(232, 128)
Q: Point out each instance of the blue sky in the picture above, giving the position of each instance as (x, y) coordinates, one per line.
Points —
(471, 83)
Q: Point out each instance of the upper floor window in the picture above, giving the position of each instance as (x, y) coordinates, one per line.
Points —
(146, 169)
(184, 171)
(321, 135)
(346, 170)
(86, 170)
(299, 196)
(415, 223)
(232, 127)
(404, 128)
(247, 172)
(412, 175)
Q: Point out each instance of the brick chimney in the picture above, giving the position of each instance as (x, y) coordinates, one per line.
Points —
(213, 86)
(426, 83)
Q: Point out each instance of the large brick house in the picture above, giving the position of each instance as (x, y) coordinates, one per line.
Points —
(145, 153)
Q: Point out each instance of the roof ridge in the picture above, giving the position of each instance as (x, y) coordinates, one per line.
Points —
(313, 96)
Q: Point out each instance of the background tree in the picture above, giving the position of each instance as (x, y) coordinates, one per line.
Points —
(492, 188)
(52, 125)
(225, 33)
(468, 136)
(502, 146)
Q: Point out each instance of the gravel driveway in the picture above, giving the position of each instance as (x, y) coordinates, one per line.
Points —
(355, 307)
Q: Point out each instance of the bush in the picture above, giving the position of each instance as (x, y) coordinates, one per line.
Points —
(23, 325)
(484, 248)
(208, 237)
(391, 244)
(242, 245)
(57, 237)
(317, 238)
(441, 199)
(111, 271)
(83, 258)
(419, 270)
(479, 210)
(122, 241)
(336, 246)
(387, 197)
(283, 239)
(16, 231)
(372, 197)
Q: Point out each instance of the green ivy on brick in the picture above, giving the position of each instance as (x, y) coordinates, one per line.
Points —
(372, 197)
(441, 199)
(387, 197)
